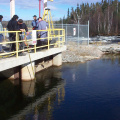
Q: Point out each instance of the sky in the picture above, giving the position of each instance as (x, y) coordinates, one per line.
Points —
(25, 9)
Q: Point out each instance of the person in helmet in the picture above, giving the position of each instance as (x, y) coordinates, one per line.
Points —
(34, 22)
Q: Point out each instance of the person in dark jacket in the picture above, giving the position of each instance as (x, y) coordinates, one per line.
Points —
(34, 22)
(22, 26)
(13, 26)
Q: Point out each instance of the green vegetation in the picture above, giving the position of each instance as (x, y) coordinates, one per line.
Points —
(104, 17)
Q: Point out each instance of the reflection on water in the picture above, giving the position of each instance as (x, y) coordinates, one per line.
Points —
(32, 100)
(114, 59)
(89, 91)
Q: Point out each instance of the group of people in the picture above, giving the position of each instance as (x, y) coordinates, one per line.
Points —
(17, 25)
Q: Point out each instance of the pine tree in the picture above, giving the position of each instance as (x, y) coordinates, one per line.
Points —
(104, 16)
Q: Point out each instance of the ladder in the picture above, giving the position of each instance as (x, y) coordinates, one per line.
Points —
(48, 18)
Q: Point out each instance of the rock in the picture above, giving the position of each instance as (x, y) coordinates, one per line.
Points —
(117, 49)
(111, 50)
(81, 53)
(104, 49)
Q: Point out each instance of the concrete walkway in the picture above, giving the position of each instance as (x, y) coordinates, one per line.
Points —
(12, 62)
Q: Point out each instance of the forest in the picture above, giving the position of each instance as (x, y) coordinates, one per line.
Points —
(104, 17)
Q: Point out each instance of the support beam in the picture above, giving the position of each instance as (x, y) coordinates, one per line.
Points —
(12, 8)
(28, 71)
(20, 68)
(28, 88)
(57, 59)
(43, 64)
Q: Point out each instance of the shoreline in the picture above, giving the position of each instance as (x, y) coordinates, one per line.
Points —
(84, 53)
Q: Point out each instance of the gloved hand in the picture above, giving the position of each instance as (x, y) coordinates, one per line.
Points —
(39, 35)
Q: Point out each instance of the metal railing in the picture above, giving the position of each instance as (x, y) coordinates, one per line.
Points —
(80, 36)
(58, 37)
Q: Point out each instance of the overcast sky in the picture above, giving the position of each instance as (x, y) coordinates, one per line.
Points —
(25, 9)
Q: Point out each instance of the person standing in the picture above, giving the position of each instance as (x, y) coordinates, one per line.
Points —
(23, 27)
(1, 35)
(13, 26)
(34, 22)
(42, 25)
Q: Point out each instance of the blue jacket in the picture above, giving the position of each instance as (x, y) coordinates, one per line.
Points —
(42, 26)
(34, 24)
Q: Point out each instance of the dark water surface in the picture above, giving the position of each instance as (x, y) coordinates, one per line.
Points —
(89, 91)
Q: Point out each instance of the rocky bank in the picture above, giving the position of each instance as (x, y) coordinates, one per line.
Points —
(83, 53)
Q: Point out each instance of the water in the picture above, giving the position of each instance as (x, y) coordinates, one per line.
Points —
(89, 91)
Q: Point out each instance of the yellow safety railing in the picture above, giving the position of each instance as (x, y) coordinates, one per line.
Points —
(59, 38)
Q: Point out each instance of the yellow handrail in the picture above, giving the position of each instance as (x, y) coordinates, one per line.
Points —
(59, 42)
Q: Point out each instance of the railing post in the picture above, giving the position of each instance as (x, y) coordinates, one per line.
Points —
(64, 36)
(48, 39)
(88, 32)
(5, 35)
(17, 43)
(78, 32)
(66, 33)
(62, 23)
(34, 48)
(59, 37)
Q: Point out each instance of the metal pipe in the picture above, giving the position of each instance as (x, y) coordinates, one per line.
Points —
(62, 23)
(12, 8)
(88, 32)
(78, 30)
(39, 8)
(66, 34)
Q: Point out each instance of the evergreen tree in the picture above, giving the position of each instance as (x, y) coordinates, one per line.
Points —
(104, 16)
